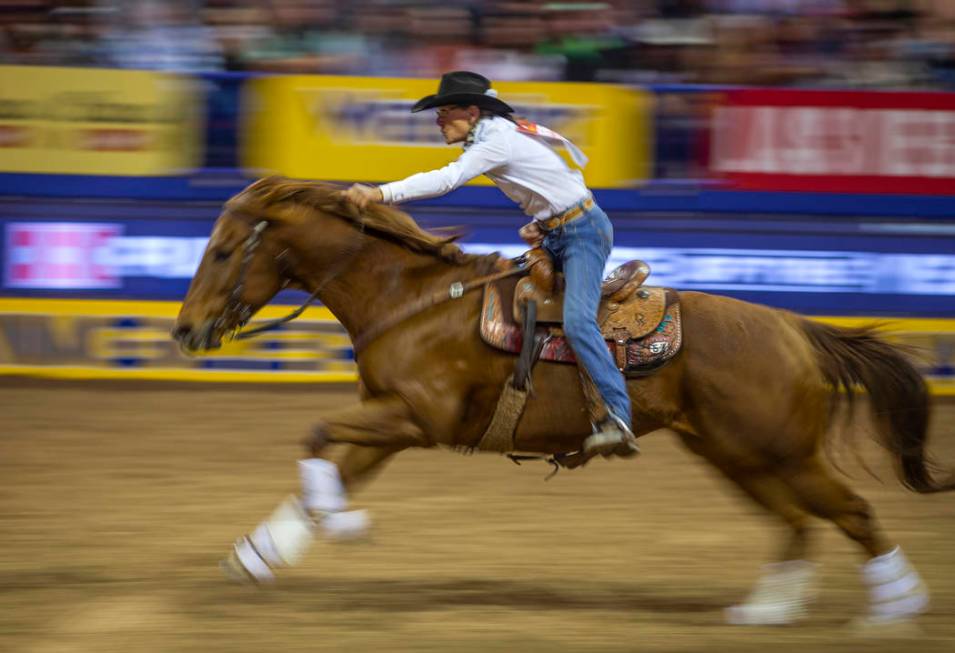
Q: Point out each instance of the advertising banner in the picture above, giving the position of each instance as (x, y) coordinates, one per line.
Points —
(98, 122)
(835, 141)
(89, 339)
(126, 339)
(137, 258)
(361, 129)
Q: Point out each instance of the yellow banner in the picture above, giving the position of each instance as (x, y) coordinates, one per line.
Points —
(113, 339)
(97, 122)
(361, 129)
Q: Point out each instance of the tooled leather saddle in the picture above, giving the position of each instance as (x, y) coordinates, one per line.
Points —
(642, 325)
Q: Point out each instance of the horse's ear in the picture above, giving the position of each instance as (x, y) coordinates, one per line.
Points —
(272, 189)
(451, 234)
(249, 215)
(262, 188)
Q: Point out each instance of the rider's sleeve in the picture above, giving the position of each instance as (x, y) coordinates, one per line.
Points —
(476, 160)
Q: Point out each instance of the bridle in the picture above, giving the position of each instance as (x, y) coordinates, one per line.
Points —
(235, 309)
(240, 312)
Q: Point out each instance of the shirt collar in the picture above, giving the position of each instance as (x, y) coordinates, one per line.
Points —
(479, 131)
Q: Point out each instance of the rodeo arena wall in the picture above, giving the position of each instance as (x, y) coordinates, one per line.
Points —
(835, 204)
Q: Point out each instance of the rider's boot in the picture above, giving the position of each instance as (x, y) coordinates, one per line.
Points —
(612, 437)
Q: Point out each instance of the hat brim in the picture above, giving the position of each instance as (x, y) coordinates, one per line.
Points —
(488, 102)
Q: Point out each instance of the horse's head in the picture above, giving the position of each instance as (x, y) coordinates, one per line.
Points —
(280, 232)
(240, 271)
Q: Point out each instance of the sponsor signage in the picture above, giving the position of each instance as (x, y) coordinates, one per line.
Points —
(98, 122)
(156, 260)
(355, 128)
(61, 255)
(835, 141)
(123, 339)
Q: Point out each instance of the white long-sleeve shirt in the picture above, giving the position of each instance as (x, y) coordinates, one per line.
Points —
(523, 166)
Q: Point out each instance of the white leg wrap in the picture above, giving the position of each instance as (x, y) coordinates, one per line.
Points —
(342, 526)
(322, 489)
(252, 562)
(781, 595)
(896, 591)
(279, 541)
(285, 536)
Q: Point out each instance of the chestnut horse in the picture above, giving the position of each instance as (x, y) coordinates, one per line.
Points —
(753, 390)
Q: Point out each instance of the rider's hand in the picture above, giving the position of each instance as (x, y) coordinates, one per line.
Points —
(531, 234)
(361, 195)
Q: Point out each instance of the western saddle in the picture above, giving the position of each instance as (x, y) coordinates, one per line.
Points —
(641, 325)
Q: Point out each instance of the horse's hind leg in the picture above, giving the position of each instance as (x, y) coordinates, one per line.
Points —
(785, 588)
(896, 591)
(783, 592)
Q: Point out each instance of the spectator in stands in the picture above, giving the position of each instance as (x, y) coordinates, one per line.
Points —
(306, 37)
(851, 43)
(155, 35)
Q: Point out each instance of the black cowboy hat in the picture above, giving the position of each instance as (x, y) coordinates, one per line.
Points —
(463, 88)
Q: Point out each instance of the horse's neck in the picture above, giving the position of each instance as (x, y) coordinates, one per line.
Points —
(380, 280)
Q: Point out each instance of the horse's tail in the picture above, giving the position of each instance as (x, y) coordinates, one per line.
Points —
(898, 395)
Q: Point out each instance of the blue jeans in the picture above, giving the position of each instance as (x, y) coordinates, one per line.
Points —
(581, 248)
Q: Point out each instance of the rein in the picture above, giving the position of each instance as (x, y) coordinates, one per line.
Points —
(455, 291)
(274, 324)
(236, 305)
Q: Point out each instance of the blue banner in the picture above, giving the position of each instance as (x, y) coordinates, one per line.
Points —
(801, 265)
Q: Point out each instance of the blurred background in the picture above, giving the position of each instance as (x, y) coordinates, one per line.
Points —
(796, 153)
(799, 153)
(832, 43)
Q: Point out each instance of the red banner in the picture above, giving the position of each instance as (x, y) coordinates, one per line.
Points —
(835, 141)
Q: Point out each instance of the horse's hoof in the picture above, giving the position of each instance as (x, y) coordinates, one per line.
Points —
(764, 614)
(234, 572)
(894, 623)
(881, 628)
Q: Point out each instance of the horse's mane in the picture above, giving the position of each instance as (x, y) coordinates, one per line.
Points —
(389, 221)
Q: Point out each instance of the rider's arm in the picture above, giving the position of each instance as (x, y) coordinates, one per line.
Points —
(476, 160)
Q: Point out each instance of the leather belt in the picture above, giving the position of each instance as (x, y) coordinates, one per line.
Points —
(570, 214)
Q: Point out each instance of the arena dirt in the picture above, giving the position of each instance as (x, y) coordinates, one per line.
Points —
(117, 501)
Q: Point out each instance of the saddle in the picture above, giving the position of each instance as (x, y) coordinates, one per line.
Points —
(641, 325)
(544, 286)
(524, 315)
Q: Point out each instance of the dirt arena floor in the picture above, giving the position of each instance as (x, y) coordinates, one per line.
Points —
(117, 502)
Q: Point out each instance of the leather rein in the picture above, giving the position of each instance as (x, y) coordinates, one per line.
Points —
(455, 291)
(243, 310)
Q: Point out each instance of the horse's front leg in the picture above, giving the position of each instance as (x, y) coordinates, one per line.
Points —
(343, 451)
(378, 422)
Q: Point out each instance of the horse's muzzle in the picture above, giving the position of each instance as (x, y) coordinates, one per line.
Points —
(192, 340)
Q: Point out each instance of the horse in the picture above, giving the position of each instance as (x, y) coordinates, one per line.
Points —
(754, 390)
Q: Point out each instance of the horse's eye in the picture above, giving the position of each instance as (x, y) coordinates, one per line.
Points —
(221, 255)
